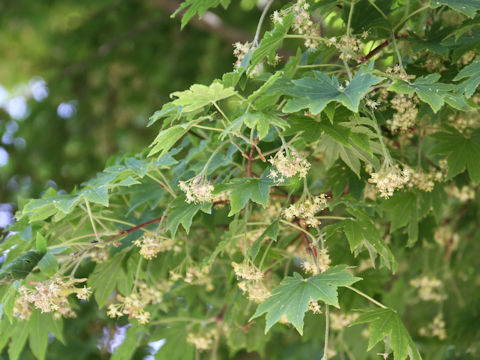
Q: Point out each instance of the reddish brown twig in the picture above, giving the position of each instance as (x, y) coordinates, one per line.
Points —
(134, 228)
(364, 59)
(219, 317)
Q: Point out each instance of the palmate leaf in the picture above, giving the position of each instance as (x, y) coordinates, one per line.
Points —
(430, 91)
(243, 190)
(386, 322)
(199, 96)
(271, 42)
(21, 266)
(292, 296)
(198, 7)
(315, 93)
(463, 152)
(182, 213)
(105, 277)
(167, 138)
(362, 230)
(471, 73)
(466, 7)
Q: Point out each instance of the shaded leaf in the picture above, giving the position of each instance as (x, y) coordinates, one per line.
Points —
(386, 322)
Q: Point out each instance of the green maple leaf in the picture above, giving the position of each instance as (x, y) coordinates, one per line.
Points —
(243, 190)
(199, 96)
(430, 91)
(167, 138)
(386, 322)
(182, 213)
(466, 7)
(292, 296)
(472, 74)
(463, 152)
(362, 230)
(316, 92)
(197, 7)
(271, 41)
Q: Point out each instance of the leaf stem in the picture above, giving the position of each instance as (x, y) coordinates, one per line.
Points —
(260, 22)
(410, 15)
(379, 304)
(327, 328)
(221, 112)
(90, 215)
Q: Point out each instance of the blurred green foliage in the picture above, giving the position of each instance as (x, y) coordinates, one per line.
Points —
(117, 61)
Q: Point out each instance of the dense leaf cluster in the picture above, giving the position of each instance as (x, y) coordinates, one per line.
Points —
(329, 189)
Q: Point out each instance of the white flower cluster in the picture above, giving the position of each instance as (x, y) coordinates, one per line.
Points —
(389, 179)
(98, 254)
(247, 272)
(202, 341)
(197, 190)
(348, 46)
(134, 304)
(306, 210)
(323, 263)
(150, 245)
(314, 307)
(240, 50)
(466, 193)
(422, 180)
(443, 236)
(304, 25)
(339, 321)
(397, 72)
(429, 288)
(406, 112)
(256, 290)
(195, 276)
(49, 296)
(463, 122)
(288, 166)
(435, 329)
(251, 283)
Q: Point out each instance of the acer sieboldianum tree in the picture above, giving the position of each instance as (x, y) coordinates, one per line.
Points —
(324, 200)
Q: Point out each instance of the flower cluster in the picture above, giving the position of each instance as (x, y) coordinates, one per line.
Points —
(195, 276)
(406, 112)
(134, 304)
(349, 46)
(150, 245)
(399, 73)
(435, 329)
(443, 236)
(306, 210)
(429, 289)
(202, 341)
(323, 263)
(422, 180)
(288, 166)
(50, 296)
(98, 254)
(466, 193)
(256, 290)
(463, 122)
(339, 321)
(389, 179)
(247, 272)
(197, 190)
(304, 25)
(240, 50)
(314, 307)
